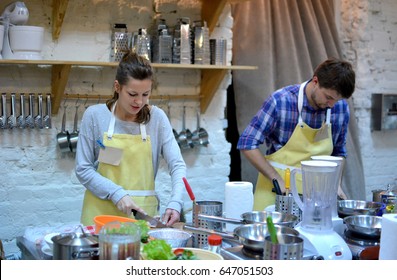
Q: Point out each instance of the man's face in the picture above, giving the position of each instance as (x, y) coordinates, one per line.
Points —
(323, 98)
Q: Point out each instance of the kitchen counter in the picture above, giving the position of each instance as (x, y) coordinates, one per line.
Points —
(31, 250)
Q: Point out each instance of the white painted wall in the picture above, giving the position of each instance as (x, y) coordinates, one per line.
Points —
(38, 187)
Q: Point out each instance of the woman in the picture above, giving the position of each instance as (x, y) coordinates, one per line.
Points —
(119, 149)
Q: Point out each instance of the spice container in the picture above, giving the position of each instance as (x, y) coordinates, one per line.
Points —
(214, 243)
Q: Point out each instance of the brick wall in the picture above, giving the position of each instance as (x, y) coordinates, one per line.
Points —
(38, 187)
(368, 31)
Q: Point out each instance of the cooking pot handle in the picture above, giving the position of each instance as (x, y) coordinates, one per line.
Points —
(219, 219)
(89, 253)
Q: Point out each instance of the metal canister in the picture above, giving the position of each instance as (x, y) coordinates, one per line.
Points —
(213, 208)
(389, 198)
(120, 42)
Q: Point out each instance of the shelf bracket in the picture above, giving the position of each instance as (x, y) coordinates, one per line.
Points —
(60, 75)
(58, 13)
(210, 82)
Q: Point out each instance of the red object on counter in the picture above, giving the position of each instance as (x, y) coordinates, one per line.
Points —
(214, 240)
(189, 189)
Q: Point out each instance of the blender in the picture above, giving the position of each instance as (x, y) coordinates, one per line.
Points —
(319, 190)
(337, 222)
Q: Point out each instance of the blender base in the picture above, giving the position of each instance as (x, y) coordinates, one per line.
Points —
(326, 243)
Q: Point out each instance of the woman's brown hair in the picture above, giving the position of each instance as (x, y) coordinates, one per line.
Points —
(137, 67)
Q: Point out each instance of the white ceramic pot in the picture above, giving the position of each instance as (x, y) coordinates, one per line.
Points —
(26, 41)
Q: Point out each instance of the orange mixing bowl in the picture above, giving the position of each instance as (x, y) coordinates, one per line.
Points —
(101, 220)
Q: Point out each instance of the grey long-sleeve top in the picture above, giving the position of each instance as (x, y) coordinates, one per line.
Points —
(95, 122)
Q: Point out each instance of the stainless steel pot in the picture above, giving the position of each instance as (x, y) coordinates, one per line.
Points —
(75, 246)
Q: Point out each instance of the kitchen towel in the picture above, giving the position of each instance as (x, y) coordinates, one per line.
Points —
(388, 237)
(239, 199)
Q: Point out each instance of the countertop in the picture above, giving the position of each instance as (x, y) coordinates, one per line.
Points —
(31, 250)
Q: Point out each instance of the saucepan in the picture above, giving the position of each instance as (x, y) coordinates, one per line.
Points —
(251, 236)
(255, 217)
(63, 136)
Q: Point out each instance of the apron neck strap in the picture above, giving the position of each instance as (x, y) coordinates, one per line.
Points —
(300, 104)
(113, 122)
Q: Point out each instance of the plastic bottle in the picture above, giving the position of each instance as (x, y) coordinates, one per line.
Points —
(214, 243)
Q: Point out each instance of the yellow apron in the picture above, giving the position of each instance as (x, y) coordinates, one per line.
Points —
(301, 146)
(134, 173)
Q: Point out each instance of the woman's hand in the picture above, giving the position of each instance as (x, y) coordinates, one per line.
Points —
(171, 217)
(125, 204)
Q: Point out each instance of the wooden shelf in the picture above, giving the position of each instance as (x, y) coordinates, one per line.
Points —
(212, 76)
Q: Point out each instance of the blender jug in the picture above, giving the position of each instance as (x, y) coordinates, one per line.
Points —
(339, 171)
(318, 192)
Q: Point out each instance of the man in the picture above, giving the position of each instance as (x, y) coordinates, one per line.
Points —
(297, 122)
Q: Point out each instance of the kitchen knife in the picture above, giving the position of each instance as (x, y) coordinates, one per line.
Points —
(153, 222)
(277, 187)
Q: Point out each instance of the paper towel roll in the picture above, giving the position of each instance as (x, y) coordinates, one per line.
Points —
(239, 198)
(388, 237)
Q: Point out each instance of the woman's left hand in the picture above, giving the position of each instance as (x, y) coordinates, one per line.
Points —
(171, 217)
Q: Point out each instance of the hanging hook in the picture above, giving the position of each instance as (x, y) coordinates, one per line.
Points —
(77, 101)
(86, 99)
(64, 101)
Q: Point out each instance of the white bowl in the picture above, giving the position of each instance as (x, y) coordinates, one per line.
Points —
(48, 237)
(24, 38)
(202, 254)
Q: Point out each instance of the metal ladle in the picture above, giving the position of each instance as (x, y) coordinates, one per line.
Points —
(47, 117)
(3, 118)
(29, 118)
(200, 135)
(12, 119)
(74, 136)
(21, 120)
(185, 136)
(38, 120)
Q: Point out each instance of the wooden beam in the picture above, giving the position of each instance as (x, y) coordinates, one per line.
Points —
(60, 75)
(210, 81)
(58, 13)
(211, 10)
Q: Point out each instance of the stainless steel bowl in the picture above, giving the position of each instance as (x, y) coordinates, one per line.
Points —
(364, 224)
(175, 237)
(358, 207)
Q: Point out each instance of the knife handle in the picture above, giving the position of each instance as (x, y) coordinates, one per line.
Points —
(277, 187)
(189, 189)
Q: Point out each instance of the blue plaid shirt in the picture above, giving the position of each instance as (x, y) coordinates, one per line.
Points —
(274, 123)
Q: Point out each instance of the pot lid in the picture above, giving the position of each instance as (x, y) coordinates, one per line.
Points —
(75, 239)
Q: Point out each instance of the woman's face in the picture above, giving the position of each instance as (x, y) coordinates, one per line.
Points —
(132, 97)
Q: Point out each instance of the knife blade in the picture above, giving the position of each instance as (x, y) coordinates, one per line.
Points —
(153, 222)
